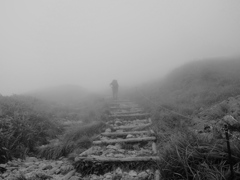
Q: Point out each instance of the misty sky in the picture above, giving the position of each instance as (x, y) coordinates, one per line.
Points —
(89, 43)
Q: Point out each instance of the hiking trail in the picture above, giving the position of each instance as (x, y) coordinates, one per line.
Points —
(126, 150)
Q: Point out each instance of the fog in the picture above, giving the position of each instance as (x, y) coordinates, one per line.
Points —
(88, 43)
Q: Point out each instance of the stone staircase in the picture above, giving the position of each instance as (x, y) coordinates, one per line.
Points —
(126, 150)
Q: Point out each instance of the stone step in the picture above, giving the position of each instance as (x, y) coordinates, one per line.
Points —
(121, 122)
(111, 159)
(134, 127)
(126, 113)
(124, 140)
(138, 115)
(125, 133)
(131, 120)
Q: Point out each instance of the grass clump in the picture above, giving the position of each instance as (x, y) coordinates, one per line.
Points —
(23, 127)
(20, 135)
(75, 140)
(27, 123)
(187, 155)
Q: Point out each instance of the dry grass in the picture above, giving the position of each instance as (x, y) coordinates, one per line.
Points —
(77, 138)
(186, 155)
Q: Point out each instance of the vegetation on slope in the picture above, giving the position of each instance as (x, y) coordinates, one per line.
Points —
(75, 140)
(27, 123)
(188, 155)
(198, 90)
(194, 86)
(23, 127)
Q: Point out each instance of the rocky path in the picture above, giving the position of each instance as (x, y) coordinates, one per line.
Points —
(126, 150)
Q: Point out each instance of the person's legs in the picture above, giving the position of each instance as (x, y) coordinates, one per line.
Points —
(116, 93)
(113, 93)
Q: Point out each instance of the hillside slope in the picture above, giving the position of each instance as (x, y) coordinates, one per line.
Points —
(190, 109)
(197, 85)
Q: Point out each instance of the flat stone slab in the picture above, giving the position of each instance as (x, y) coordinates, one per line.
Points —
(125, 133)
(110, 159)
(130, 115)
(125, 140)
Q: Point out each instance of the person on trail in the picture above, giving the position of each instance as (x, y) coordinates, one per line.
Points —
(114, 85)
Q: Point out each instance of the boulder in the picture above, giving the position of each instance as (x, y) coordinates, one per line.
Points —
(230, 120)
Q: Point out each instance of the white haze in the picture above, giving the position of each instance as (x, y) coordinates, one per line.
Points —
(90, 42)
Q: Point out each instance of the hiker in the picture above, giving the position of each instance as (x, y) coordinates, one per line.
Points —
(114, 85)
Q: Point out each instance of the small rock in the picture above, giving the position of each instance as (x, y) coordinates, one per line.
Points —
(121, 150)
(118, 146)
(42, 175)
(111, 147)
(119, 130)
(13, 164)
(129, 136)
(77, 159)
(57, 171)
(118, 170)
(27, 164)
(53, 170)
(103, 138)
(5, 174)
(230, 120)
(47, 166)
(31, 159)
(74, 178)
(119, 155)
(30, 175)
(66, 168)
(69, 175)
(132, 173)
(3, 165)
(143, 175)
(31, 168)
(59, 162)
(108, 177)
(108, 130)
(94, 177)
(118, 123)
(37, 163)
(136, 147)
(110, 155)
